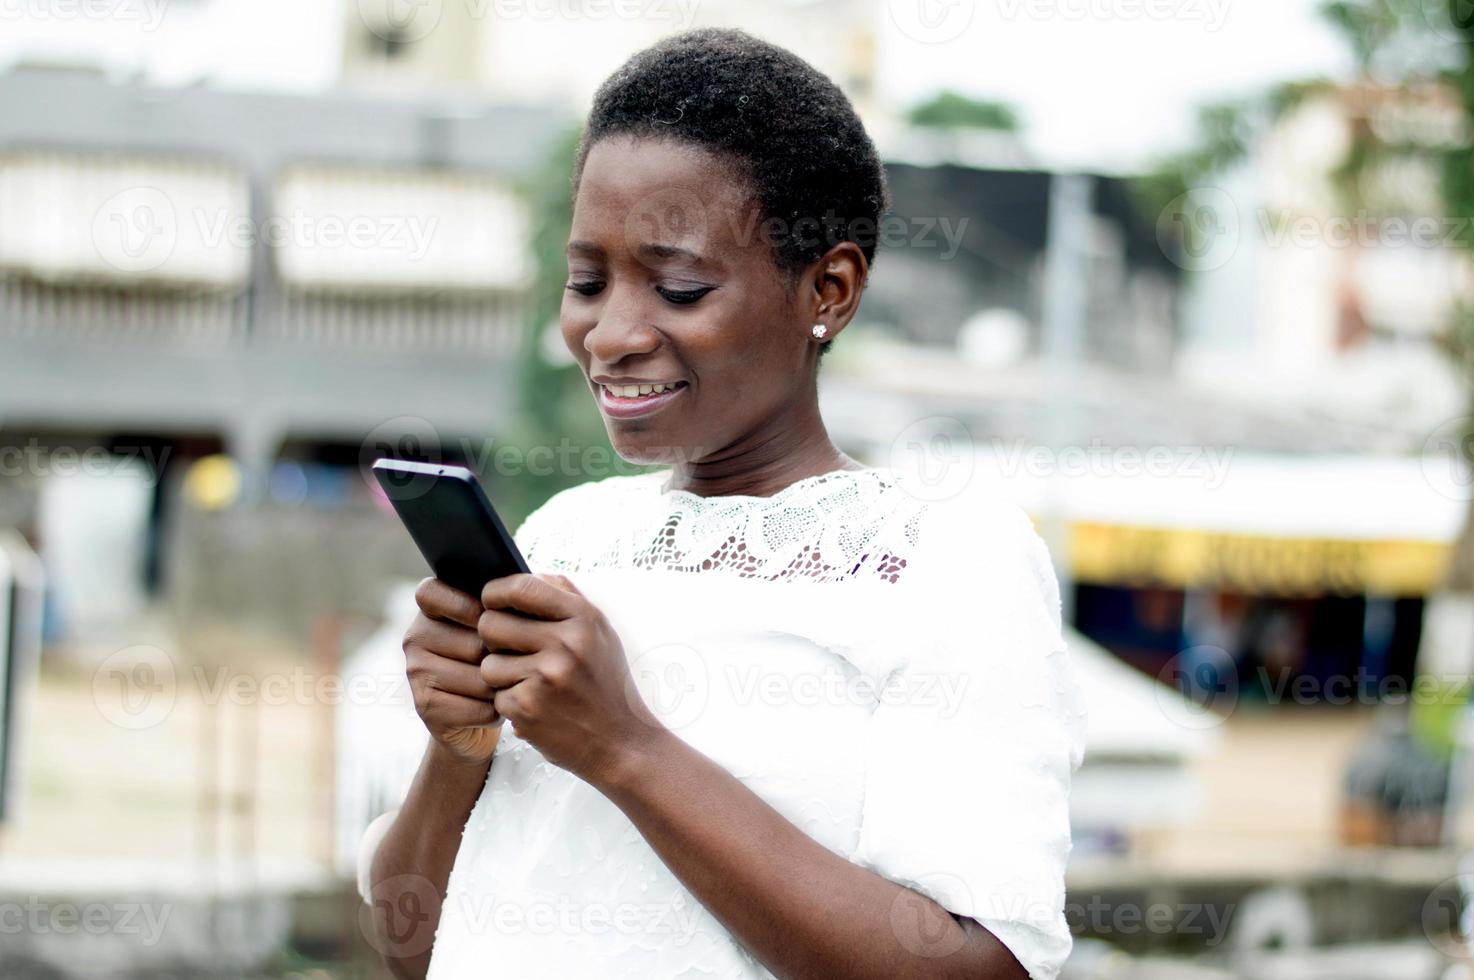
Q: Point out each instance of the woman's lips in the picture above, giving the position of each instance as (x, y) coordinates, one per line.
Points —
(618, 407)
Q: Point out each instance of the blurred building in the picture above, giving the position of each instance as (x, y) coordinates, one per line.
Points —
(1317, 294)
(544, 51)
(969, 258)
(346, 263)
(1223, 451)
(257, 268)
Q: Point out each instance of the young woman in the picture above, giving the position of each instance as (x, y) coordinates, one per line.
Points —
(768, 712)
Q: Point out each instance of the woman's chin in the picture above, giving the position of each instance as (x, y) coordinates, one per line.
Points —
(639, 451)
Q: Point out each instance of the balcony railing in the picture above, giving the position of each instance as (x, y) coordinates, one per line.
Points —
(176, 251)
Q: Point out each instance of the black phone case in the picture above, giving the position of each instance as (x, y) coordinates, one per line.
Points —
(451, 521)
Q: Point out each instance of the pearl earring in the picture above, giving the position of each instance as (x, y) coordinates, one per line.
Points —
(819, 331)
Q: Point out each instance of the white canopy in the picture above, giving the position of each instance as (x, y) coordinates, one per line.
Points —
(1206, 488)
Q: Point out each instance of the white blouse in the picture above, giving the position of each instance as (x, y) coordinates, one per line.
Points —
(886, 671)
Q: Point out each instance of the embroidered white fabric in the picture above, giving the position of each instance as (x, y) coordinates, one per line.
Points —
(888, 672)
(826, 528)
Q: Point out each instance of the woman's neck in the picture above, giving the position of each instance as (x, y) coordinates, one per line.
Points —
(764, 463)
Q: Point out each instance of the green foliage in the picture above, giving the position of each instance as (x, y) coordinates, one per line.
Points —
(1225, 133)
(950, 110)
(1286, 97)
(548, 194)
(1435, 716)
(1366, 25)
(1392, 42)
(1457, 164)
(558, 430)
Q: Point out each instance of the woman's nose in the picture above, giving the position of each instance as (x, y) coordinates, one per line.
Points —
(622, 330)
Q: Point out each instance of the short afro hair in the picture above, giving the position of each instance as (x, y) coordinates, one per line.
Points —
(791, 132)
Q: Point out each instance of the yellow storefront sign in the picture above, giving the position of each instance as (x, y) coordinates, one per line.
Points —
(1113, 554)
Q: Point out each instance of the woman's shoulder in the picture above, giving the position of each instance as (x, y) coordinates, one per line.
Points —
(965, 513)
(977, 534)
(588, 501)
(605, 492)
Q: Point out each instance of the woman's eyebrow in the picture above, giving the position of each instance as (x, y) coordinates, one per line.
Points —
(585, 248)
(650, 251)
(657, 251)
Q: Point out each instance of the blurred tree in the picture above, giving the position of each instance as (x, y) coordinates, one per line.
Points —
(1409, 110)
(950, 110)
(1457, 168)
(1403, 51)
(1226, 130)
(1411, 59)
(558, 433)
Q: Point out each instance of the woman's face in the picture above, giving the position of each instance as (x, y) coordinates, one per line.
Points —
(671, 281)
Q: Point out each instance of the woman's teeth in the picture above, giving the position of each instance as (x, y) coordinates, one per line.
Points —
(636, 391)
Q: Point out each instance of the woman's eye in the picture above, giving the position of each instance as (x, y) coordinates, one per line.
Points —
(682, 296)
(586, 287)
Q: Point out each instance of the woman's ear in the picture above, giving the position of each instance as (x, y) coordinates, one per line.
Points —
(834, 285)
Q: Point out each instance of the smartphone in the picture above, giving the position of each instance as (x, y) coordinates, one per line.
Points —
(451, 521)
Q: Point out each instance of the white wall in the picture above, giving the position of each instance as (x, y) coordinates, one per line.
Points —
(256, 45)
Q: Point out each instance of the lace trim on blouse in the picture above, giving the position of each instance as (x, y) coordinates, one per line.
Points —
(849, 524)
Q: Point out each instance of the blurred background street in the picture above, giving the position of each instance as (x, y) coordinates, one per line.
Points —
(1190, 280)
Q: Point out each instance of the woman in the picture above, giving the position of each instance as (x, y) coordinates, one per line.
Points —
(771, 713)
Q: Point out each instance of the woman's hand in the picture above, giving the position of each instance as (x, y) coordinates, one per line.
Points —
(562, 677)
(441, 651)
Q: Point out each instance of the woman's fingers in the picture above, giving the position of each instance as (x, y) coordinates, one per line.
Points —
(502, 630)
(532, 595)
(438, 673)
(446, 639)
(439, 601)
(562, 582)
(452, 711)
(503, 670)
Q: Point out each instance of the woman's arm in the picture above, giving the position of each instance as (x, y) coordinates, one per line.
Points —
(412, 864)
(801, 909)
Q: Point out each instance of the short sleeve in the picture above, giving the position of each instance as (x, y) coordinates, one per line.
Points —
(970, 752)
(541, 535)
(534, 527)
(581, 524)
